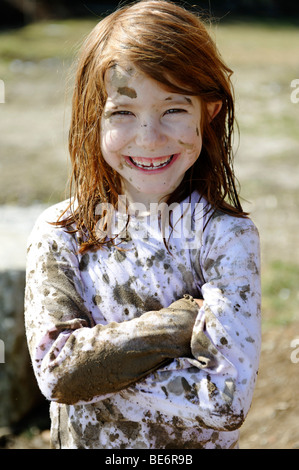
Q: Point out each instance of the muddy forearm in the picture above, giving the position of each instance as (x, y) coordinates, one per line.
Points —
(124, 352)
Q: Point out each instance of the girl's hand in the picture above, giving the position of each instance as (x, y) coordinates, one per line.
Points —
(199, 302)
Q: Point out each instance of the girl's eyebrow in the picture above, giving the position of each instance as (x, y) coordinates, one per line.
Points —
(120, 101)
(176, 99)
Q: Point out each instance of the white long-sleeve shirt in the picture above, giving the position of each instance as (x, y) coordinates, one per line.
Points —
(83, 312)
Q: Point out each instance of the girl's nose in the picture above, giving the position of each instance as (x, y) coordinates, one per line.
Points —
(150, 135)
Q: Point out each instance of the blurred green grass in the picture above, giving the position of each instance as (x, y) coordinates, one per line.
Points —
(280, 293)
(35, 64)
(44, 40)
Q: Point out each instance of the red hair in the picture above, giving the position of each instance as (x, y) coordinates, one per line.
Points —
(171, 45)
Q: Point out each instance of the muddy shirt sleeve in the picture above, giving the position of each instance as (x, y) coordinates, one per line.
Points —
(75, 360)
(214, 389)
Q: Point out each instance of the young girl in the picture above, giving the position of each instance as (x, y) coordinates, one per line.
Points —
(143, 290)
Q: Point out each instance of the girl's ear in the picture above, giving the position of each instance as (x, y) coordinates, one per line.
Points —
(213, 109)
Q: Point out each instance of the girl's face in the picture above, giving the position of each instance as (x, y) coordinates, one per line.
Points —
(149, 135)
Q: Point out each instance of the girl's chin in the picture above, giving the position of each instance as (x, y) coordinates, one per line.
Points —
(148, 192)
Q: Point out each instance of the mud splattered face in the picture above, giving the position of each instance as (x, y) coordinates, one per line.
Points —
(149, 135)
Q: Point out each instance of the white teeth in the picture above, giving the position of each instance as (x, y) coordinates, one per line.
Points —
(152, 163)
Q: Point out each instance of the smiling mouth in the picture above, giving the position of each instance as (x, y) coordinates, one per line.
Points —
(151, 163)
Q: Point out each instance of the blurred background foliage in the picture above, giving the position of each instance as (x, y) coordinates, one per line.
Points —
(19, 12)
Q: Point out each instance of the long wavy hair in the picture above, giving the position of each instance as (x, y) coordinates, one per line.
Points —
(171, 45)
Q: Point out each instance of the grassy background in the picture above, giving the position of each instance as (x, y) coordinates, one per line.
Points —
(265, 60)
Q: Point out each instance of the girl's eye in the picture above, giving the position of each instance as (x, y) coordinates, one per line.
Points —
(121, 113)
(175, 111)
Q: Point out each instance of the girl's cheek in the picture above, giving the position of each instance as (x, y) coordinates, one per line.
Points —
(189, 138)
(187, 130)
(113, 140)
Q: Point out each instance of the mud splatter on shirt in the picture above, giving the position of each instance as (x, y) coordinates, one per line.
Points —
(125, 357)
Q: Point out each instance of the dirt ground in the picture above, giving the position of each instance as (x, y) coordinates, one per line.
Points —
(33, 130)
(272, 422)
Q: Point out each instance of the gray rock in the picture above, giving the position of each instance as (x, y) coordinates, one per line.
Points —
(19, 393)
